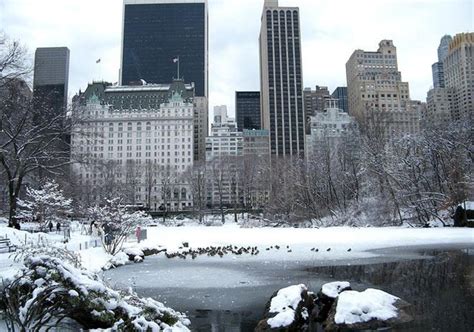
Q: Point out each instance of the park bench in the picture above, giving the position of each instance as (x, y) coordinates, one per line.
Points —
(6, 245)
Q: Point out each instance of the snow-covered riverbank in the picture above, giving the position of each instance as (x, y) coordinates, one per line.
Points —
(274, 244)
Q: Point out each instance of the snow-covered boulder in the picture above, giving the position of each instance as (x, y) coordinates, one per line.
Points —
(326, 297)
(118, 260)
(367, 310)
(134, 254)
(49, 289)
(289, 308)
(333, 289)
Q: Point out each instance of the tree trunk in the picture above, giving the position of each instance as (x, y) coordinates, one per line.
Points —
(13, 192)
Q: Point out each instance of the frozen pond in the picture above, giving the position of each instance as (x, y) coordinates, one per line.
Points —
(229, 294)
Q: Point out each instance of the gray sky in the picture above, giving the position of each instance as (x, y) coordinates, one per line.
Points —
(331, 31)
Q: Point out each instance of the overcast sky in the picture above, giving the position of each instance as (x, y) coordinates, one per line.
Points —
(331, 31)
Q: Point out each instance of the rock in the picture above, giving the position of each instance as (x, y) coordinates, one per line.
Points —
(326, 297)
(291, 307)
(138, 259)
(365, 311)
(152, 251)
(132, 253)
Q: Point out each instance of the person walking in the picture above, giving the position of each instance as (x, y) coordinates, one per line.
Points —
(58, 227)
(50, 225)
(138, 233)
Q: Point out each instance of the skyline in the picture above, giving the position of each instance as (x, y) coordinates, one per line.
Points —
(329, 36)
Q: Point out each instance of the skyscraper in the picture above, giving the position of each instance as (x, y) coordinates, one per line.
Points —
(437, 67)
(281, 79)
(315, 100)
(341, 95)
(459, 75)
(51, 76)
(375, 88)
(247, 109)
(374, 82)
(156, 33)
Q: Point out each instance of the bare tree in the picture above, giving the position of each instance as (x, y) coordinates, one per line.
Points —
(219, 182)
(14, 63)
(32, 140)
(166, 184)
(196, 177)
(150, 180)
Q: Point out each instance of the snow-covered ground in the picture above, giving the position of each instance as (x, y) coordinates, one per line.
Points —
(331, 243)
(295, 244)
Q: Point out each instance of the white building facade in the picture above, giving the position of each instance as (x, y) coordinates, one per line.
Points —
(329, 126)
(375, 89)
(139, 154)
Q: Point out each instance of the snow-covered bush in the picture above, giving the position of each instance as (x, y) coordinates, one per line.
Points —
(116, 223)
(45, 248)
(46, 204)
(49, 290)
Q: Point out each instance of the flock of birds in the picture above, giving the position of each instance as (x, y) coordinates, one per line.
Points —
(225, 250)
(213, 251)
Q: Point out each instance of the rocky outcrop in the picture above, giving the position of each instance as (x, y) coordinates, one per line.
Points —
(326, 297)
(336, 307)
(288, 310)
(399, 321)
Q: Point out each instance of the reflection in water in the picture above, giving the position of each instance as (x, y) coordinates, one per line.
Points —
(217, 321)
(441, 289)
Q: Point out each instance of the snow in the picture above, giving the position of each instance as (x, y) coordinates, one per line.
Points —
(284, 304)
(43, 272)
(469, 205)
(120, 259)
(283, 319)
(332, 289)
(358, 307)
(299, 240)
(133, 251)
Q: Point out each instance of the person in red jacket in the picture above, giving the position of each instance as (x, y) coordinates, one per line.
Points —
(138, 233)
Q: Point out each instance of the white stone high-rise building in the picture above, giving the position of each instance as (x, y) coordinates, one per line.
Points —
(220, 115)
(374, 84)
(328, 127)
(438, 107)
(454, 101)
(459, 75)
(225, 139)
(139, 154)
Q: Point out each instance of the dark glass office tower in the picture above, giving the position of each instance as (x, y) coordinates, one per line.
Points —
(51, 76)
(247, 109)
(341, 95)
(281, 79)
(157, 31)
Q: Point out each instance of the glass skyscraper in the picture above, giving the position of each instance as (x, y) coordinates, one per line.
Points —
(340, 93)
(437, 67)
(155, 32)
(247, 109)
(51, 76)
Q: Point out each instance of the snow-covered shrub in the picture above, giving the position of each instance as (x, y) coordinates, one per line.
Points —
(46, 204)
(45, 248)
(116, 223)
(49, 290)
